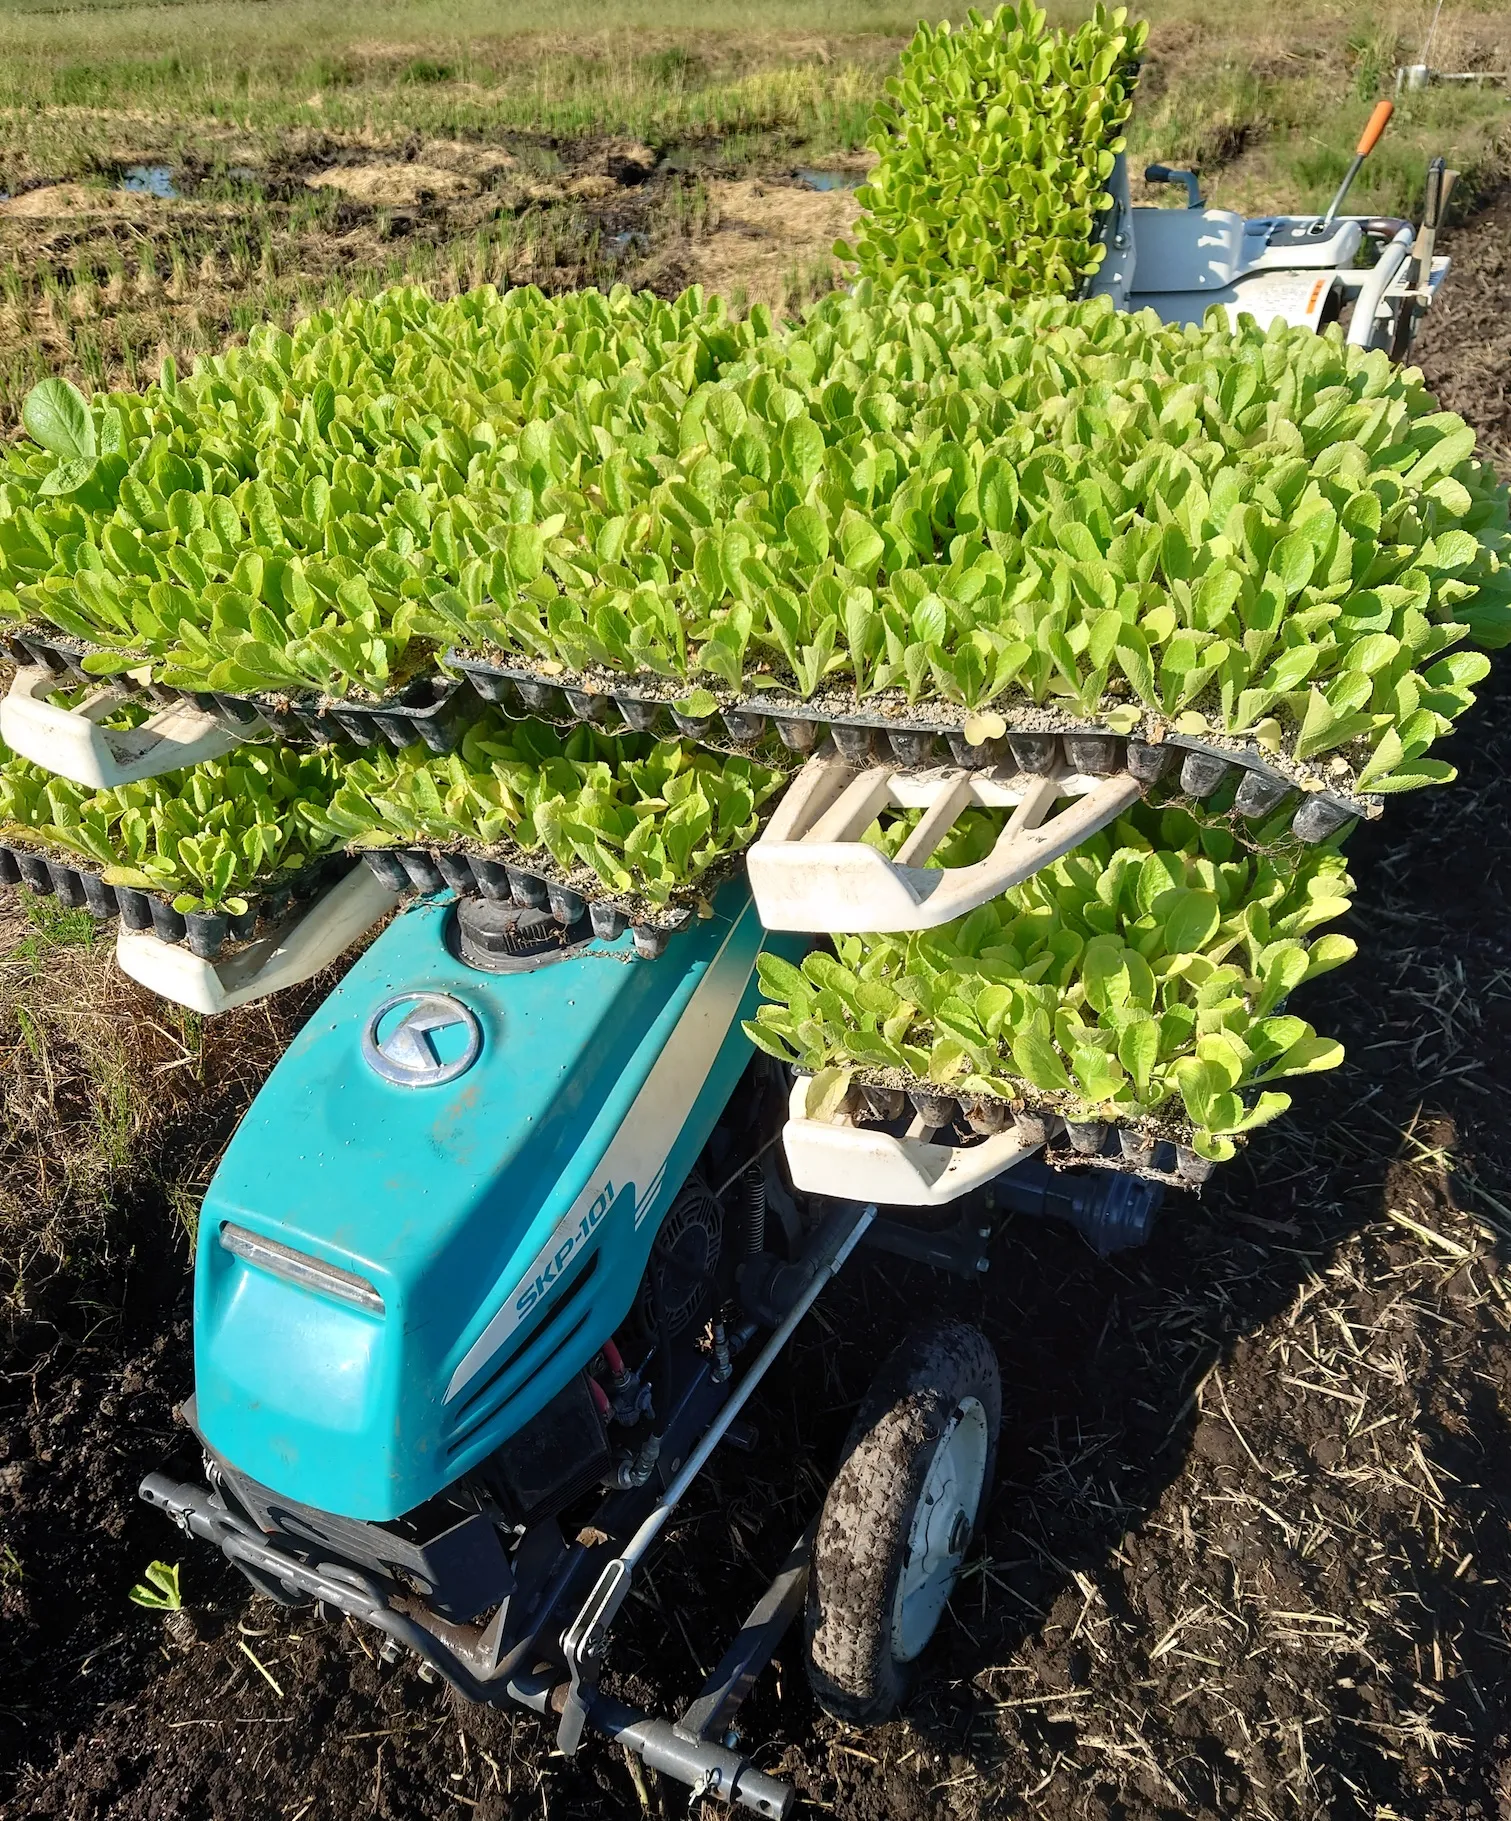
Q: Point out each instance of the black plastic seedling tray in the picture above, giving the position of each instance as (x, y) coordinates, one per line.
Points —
(1174, 1165)
(1100, 1144)
(427, 870)
(431, 709)
(205, 933)
(1196, 768)
(49, 651)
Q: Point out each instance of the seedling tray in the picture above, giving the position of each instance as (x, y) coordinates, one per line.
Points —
(426, 870)
(1174, 1166)
(1098, 1144)
(205, 933)
(432, 709)
(895, 732)
(312, 933)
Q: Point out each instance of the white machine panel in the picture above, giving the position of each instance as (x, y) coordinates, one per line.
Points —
(1295, 297)
(1289, 242)
(1186, 249)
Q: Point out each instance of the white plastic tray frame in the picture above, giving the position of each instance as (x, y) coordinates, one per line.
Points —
(863, 1163)
(284, 957)
(811, 871)
(70, 742)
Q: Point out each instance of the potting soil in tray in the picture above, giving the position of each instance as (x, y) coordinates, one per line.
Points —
(1036, 739)
(429, 708)
(206, 933)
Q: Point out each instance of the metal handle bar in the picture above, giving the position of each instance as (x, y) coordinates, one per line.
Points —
(1379, 280)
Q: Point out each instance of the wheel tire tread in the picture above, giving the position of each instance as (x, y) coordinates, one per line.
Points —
(863, 1530)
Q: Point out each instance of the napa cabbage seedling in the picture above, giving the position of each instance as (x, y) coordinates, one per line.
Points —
(995, 143)
(642, 816)
(212, 837)
(272, 523)
(934, 504)
(158, 1588)
(1141, 979)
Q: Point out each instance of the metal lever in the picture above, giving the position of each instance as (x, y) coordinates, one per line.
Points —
(1436, 191)
(1368, 140)
(1164, 173)
(585, 1639)
(583, 1649)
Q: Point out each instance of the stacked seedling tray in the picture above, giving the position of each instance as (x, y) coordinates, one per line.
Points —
(1231, 570)
(265, 539)
(429, 709)
(995, 145)
(1047, 742)
(206, 933)
(1124, 1006)
(213, 857)
(1187, 586)
(630, 831)
(939, 540)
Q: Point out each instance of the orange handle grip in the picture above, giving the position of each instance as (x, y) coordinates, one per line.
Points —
(1378, 121)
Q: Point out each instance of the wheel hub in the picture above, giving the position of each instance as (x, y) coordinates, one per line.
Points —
(940, 1533)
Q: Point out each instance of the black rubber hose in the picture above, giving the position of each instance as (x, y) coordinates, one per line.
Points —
(661, 1388)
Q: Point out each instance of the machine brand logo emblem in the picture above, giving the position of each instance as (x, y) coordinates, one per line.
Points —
(406, 1053)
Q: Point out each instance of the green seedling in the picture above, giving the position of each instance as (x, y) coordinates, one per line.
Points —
(1142, 977)
(930, 496)
(158, 1588)
(645, 816)
(273, 522)
(212, 837)
(995, 144)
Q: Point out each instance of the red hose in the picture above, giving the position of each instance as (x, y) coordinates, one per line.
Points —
(601, 1399)
(613, 1359)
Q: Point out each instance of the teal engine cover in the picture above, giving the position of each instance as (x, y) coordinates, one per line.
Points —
(417, 1270)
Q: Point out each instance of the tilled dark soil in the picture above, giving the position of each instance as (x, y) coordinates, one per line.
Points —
(1249, 1553)
(1465, 344)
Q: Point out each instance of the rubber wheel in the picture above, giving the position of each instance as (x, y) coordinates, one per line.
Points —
(899, 1518)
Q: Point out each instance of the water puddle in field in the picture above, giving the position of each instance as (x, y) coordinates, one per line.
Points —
(625, 246)
(150, 180)
(825, 179)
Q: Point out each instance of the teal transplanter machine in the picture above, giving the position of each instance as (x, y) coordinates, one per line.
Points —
(491, 1267)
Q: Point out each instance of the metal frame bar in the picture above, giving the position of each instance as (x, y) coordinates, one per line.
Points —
(706, 1767)
(726, 1686)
